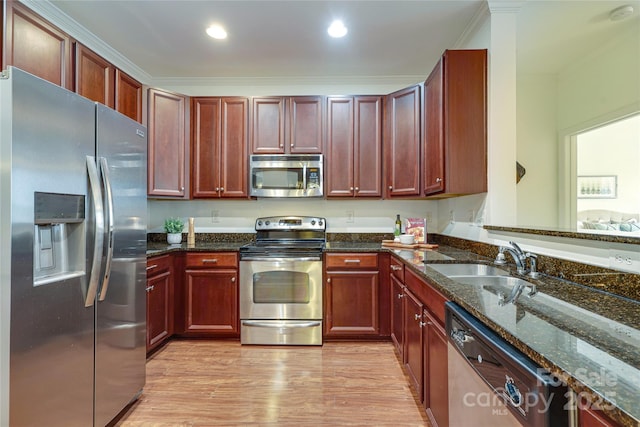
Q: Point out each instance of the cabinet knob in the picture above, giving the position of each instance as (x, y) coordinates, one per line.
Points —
(417, 316)
(233, 280)
(350, 188)
(438, 179)
(328, 279)
(390, 187)
(221, 189)
(357, 189)
(149, 288)
(400, 295)
(291, 145)
(423, 323)
(181, 188)
(217, 188)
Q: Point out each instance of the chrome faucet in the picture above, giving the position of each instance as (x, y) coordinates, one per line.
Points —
(520, 257)
(516, 253)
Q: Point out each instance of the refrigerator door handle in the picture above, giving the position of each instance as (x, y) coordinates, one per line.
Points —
(94, 182)
(108, 195)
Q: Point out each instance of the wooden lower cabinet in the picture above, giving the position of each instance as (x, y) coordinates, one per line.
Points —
(413, 342)
(211, 295)
(588, 417)
(159, 288)
(436, 389)
(397, 315)
(351, 295)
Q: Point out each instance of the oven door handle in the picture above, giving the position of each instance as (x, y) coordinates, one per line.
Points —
(287, 324)
(268, 259)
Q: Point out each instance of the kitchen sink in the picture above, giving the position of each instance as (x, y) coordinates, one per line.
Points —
(496, 282)
(472, 270)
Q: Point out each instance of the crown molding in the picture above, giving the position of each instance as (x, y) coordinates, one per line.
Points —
(505, 6)
(474, 24)
(51, 13)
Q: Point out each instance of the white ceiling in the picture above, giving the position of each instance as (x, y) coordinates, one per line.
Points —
(167, 39)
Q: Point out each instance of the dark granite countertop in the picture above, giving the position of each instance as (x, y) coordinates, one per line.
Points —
(588, 338)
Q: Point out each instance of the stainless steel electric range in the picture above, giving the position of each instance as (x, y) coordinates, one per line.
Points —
(281, 282)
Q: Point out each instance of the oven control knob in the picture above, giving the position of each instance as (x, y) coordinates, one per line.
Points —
(267, 222)
(320, 223)
(260, 223)
(313, 222)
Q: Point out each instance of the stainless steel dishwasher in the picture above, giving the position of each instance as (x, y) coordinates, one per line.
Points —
(491, 383)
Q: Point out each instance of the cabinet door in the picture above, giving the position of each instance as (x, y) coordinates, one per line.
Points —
(167, 144)
(128, 96)
(159, 318)
(588, 417)
(436, 389)
(413, 341)
(351, 303)
(95, 76)
(339, 179)
(267, 125)
(305, 124)
(397, 314)
(212, 302)
(233, 148)
(367, 146)
(402, 147)
(206, 134)
(465, 119)
(35, 46)
(434, 128)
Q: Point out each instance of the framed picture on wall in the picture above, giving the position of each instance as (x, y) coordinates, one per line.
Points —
(597, 186)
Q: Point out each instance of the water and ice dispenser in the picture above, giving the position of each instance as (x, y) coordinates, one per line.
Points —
(59, 243)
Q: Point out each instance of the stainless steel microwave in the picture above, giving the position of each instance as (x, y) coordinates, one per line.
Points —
(286, 175)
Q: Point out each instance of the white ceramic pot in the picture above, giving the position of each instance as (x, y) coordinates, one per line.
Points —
(174, 238)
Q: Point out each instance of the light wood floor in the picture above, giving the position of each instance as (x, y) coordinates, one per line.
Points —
(216, 383)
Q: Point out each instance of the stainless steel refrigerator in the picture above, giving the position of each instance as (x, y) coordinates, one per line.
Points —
(72, 256)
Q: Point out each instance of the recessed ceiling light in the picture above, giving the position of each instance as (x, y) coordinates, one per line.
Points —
(337, 29)
(217, 32)
(620, 13)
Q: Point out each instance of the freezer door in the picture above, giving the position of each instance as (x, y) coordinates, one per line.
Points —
(47, 133)
(121, 302)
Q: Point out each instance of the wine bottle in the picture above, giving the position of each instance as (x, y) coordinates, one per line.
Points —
(397, 230)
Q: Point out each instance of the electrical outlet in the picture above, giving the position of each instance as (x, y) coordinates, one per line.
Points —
(350, 217)
(215, 216)
(624, 260)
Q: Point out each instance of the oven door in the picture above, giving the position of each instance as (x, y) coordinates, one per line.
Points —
(281, 289)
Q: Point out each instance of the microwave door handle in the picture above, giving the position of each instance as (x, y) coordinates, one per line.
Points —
(94, 183)
(304, 177)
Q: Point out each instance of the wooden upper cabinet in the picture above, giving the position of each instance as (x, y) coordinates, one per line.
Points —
(305, 124)
(267, 125)
(100, 81)
(354, 146)
(455, 139)
(128, 96)
(220, 145)
(167, 152)
(283, 125)
(402, 142)
(95, 76)
(35, 46)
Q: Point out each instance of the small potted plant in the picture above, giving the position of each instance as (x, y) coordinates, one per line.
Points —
(173, 227)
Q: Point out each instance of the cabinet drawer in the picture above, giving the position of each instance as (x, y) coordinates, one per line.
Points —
(159, 264)
(397, 269)
(432, 299)
(352, 260)
(212, 259)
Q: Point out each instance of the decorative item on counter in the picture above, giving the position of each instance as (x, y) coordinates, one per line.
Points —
(397, 228)
(407, 239)
(417, 227)
(174, 227)
(191, 236)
